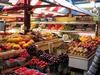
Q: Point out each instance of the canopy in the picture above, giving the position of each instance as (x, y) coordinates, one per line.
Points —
(69, 5)
(62, 8)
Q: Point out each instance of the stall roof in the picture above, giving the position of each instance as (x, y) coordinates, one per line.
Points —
(69, 5)
(57, 10)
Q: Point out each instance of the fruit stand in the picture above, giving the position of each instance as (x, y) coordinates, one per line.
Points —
(78, 51)
(82, 52)
(80, 63)
(57, 36)
(22, 61)
(13, 49)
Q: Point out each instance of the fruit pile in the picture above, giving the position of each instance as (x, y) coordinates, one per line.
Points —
(33, 51)
(55, 27)
(85, 38)
(84, 47)
(12, 62)
(17, 42)
(38, 64)
(5, 33)
(36, 36)
(37, 59)
(41, 36)
(97, 39)
(15, 61)
(26, 71)
(48, 35)
(51, 59)
(25, 54)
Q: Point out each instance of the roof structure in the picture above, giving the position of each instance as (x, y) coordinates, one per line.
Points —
(46, 7)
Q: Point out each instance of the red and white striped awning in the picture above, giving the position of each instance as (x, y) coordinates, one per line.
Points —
(41, 11)
(58, 10)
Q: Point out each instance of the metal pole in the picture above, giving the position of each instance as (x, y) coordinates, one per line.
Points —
(26, 16)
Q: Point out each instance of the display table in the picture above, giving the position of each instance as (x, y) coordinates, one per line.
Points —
(11, 53)
(48, 45)
(80, 63)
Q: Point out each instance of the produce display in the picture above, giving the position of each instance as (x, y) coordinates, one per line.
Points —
(17, 42)
(42, 36)
(37, 46)
(84, 48)
(70, 36)
(55, 27)
(34, 59)
(27, 71)
(85, 38)
(50, 60)
(66, 27)
(37, 63)
(14, 61)
(5, 33)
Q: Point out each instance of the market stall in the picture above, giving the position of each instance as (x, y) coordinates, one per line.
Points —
(57, 36)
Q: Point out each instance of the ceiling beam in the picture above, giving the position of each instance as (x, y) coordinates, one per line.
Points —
(41, 6)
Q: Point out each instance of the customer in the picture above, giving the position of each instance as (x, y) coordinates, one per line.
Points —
(95, 66)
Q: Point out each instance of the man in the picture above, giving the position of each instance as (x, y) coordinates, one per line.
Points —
(95, 66)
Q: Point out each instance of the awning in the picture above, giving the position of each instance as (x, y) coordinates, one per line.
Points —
(69, 5)
(63, 7)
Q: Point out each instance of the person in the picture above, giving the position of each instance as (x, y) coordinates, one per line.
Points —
(95, 66)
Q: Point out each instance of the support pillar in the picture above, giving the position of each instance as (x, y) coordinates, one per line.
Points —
(26, 16)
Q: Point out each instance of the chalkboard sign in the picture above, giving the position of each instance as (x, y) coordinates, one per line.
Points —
(2, 25)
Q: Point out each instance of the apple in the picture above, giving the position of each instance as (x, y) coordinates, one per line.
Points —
(21, 43)
(16, 46)
(0, 49)
(25, 45)
(30, 42)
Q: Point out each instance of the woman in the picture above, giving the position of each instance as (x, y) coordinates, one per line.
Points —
(95, 66)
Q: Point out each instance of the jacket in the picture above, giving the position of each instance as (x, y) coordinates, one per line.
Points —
(95, 66)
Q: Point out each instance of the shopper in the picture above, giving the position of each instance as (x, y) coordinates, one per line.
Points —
(95, 66)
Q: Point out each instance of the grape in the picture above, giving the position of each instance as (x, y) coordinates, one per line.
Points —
(32, 50)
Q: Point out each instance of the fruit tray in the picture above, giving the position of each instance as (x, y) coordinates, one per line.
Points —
(42, 45)
(83, 55)
(56, 43)
(11, 53)
(45, 45)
